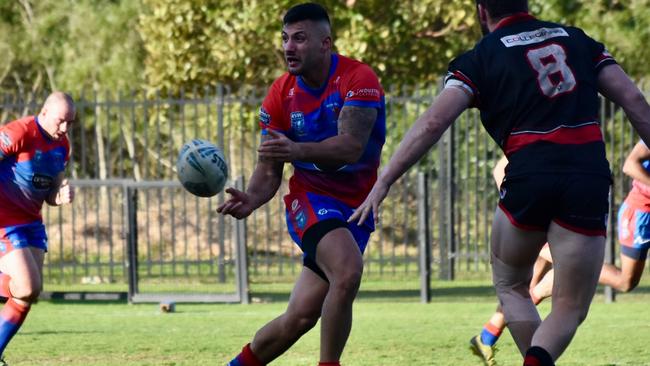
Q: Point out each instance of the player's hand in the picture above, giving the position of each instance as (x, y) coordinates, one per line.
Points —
(238, 205)
(278, 148)
(65, 194)
(371, 204)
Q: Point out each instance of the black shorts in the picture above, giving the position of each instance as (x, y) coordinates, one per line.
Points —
(577, 202)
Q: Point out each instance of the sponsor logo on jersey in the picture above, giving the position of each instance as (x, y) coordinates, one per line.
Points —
(531, 37)
(41, 181)
(295, 205)
(291, 92)
(324, 211)
(301, 220)
(364, 92)
(5, 140)
(265, 117)
(502, 193)
(298, 123)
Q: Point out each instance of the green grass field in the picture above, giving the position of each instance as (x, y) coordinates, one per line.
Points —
(390, 328)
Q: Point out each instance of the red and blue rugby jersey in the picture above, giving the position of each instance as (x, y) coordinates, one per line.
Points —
(30, 163)
(639, 196)
(304, 114)
(536, 86)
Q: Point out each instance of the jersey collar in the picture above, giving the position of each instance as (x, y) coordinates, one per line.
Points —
(41, 130)
(512, 19)
(319, 91)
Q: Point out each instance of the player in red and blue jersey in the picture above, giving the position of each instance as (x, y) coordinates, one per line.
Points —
(326, 117)
(34, 152)
(536, 85)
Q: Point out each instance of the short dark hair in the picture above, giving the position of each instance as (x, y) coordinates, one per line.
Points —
(306, 11)
(500, 8)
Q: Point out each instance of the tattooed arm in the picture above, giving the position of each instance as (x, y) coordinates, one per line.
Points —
(354, 127)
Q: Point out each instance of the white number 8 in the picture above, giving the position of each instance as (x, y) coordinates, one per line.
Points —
(554, 76)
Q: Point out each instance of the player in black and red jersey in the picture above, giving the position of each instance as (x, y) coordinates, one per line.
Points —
(536, 84)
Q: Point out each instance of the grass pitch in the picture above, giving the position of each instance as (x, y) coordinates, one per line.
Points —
(390, 328)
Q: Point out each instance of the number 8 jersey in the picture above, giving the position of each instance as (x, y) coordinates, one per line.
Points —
(536, 86)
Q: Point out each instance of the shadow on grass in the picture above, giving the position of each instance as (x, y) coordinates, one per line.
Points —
(447, 293)
(58, 332)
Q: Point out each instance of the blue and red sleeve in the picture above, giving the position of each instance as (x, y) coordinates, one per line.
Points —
(362, 89)
(271, 112)
(12, 138)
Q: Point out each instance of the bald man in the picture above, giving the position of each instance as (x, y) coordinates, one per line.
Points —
(34, 151)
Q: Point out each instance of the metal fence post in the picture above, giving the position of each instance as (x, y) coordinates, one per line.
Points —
(221, 265)
(424, 237)
(610, 248)
(446, 207)
(131, 197)
(241, 254)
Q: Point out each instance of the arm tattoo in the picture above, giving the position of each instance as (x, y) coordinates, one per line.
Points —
(357, 122)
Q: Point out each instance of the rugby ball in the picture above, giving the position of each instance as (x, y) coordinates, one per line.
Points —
(201, 168)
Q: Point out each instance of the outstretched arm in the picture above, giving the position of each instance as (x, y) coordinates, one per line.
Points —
(616, 86)
(424, 133)
(264, 182)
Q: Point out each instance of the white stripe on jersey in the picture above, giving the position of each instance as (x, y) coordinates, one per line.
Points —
(531, 37)
(555, 129)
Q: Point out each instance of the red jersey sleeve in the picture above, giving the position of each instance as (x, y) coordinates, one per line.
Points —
(12, 138)
(271, 115)
(361, 88)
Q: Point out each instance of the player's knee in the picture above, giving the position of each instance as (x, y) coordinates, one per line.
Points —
(572, 308)
(28, 292)
(347, 283)
(628, 284)
(301, 322)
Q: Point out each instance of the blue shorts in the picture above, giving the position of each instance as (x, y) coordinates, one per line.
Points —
(634, 231)
(310, 216)
(22, 236)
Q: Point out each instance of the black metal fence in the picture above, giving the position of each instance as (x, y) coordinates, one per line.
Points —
(183, 244)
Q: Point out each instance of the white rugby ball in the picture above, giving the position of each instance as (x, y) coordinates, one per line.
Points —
(202, 168)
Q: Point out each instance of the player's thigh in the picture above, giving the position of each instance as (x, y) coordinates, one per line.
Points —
(540, 269)
(23, 267)
(338, 254)
(307, 296)
(23, 249)
(577, 260)
(512, 245)
(545, 254)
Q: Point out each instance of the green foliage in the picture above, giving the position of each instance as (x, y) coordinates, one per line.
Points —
(175, 45)
(68, 45)
(190, 43)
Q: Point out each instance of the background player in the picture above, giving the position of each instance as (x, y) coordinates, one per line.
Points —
(34, 152)
(536, 84)
(326, 116)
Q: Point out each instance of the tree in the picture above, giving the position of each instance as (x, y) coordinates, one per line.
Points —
(69, 45)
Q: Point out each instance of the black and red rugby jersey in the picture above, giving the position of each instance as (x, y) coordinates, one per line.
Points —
(535, 84)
